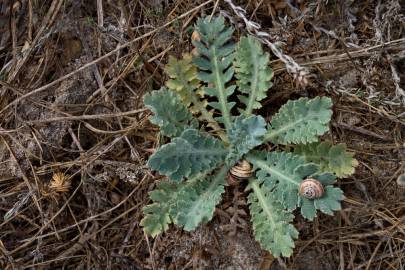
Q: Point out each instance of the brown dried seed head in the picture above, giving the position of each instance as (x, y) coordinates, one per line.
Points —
(60, 183)
(311, 189)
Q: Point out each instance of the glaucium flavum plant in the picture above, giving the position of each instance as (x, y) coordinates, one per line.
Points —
(212, 139)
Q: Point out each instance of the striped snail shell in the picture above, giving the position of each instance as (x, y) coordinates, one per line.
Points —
(311, 189)
(242, 170)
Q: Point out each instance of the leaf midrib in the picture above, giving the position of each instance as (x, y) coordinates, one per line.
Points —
(221, 91)
(272, 170)
(217, 181)
(273, 133)
(262, 201)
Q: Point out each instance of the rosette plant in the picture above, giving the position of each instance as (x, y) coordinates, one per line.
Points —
(207, 112)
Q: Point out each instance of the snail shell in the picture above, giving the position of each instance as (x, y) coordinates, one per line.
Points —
(195, 36)
(401, 181)
(241, 171)
(311, 189)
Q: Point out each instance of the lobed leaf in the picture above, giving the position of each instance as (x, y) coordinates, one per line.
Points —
(252, 72)
(215, 56)
(300, 121)
(271, 224)
(183, 80)
(282, 173)
(169, 113)
(183, 203)
(188, 155)
(328, 203)
(196, 203)
(330, 158)
(157, 214)
(246, 133)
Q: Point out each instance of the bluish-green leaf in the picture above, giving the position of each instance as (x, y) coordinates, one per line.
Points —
(330, 158)
(196, 203)
(325, 178)
(253, 73)
(271, 223)
(300, 121)
(215, 55)
(187, 155)
(282, 173)
(169, 113)
(246, 133)
(157, 214)
(186, 204)
(329, 202)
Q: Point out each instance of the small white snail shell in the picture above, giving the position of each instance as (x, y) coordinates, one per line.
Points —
(401, 181)
(195, 36)
(311, 189)
(241, 171)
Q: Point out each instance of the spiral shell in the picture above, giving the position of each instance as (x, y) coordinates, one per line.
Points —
(311, 189)
(241, 171)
